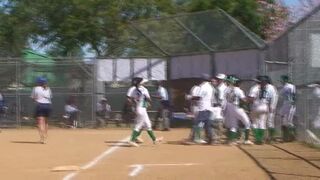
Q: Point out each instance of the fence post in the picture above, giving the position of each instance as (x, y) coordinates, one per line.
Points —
(18, 101)
(94, 92)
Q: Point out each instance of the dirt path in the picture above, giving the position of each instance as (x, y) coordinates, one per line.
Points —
(23, 158)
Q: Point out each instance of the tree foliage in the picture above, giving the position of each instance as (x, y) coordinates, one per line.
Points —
(66, 26)
(266, 18)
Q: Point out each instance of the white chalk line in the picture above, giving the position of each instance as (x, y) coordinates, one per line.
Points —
(97, 159)
(137, 168)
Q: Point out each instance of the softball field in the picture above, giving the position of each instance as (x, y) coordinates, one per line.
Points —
(104, 154)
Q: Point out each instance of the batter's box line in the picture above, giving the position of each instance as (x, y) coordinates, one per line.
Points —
(137, 168)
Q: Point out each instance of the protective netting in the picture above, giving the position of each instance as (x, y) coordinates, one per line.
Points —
(198, 32)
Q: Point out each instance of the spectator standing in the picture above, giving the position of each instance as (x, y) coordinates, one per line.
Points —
(103, 112)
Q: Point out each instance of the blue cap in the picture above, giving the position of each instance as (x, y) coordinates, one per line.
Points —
(41, 80)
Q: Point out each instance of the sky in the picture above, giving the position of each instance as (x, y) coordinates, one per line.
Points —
(291, 2)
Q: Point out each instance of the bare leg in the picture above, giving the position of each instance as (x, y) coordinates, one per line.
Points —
(41, 128)
(46, 128)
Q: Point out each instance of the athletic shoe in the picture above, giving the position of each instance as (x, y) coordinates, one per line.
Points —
(158, 140)
(233, 143)
(42, 140)
(133, 144)
(248, 142)
(200, 141)
(188, 142)
(139, 140)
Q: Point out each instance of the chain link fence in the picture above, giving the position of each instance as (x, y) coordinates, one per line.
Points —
(67, 79)
(296, 53)
(73, 80)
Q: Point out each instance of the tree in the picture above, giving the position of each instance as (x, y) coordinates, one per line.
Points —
(66, 26)
(69, 25)
(275, 18)
(264, 17)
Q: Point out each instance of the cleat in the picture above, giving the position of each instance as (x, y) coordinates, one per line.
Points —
(188, 143)
(139, 140)
(233, 143)
(248, 142)
(200, 141)
(133, 144)
(158, 140)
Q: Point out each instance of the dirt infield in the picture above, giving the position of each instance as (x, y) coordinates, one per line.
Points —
(102, 154)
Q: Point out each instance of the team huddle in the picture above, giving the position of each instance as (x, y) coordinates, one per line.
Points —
(219, 103)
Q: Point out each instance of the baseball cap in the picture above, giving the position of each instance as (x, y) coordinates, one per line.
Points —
(232, 79)
(41, 80)
(221, 76)
(284, 78)
(144, 81)
(260, 78)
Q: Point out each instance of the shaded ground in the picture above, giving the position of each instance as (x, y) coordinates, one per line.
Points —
(288, 160)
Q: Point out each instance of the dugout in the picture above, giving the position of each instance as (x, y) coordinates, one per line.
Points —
(296, 53)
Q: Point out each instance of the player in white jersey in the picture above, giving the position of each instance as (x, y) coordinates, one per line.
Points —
(204, 98)
(140, 96)
(164, 109)
(316, 93)
(131, 107)
(218, 103)
(193, 103)
(221, 87)
(234, 113)
(258, 97)
(288, 108)
(193, 109)
(273, 100)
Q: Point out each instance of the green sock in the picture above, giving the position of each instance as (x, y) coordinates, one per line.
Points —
(260, 136)
(139, 133)
(151, 134)
(246, 134)
(134, 135)
(271, 132)
(229, 135)
(284, 133)
(255, 133)
(239, 133)
(291, 133)
(262, 131)
(197, 133)
(232, 135)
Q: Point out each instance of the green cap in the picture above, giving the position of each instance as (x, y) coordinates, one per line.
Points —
(232, 79)
(284, 78)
